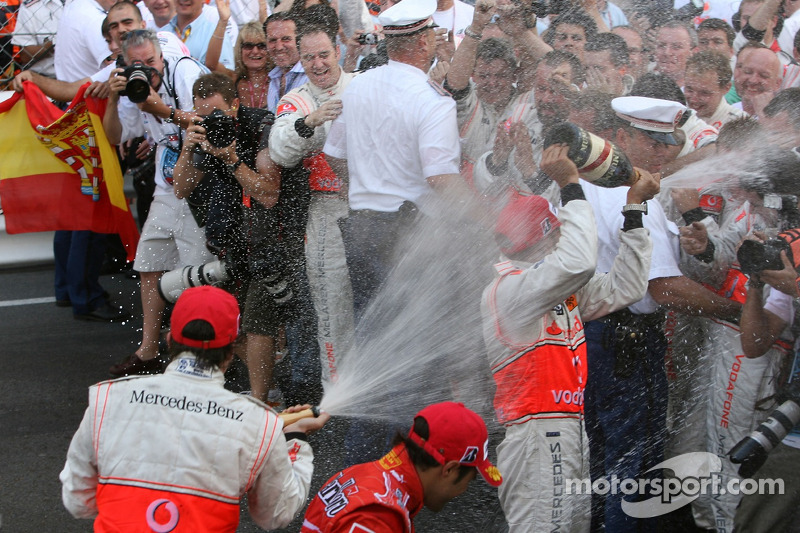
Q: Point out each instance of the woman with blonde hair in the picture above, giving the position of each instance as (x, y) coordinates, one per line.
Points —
(252, 65)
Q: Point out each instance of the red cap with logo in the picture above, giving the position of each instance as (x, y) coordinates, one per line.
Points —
(523, 222)
(217, 307)
(457, 434)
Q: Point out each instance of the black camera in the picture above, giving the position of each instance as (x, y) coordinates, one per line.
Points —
(220, 129)
(368, 38)
(754, 256)
(139, 75)
(752, 451)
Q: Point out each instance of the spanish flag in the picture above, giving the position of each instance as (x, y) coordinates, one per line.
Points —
(58, 170)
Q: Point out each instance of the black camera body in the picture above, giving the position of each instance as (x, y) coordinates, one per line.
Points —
(368, 38)
(139, 75)
(220, 129)
(755, 257)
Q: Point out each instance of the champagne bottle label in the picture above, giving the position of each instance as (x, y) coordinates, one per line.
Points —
(599, 161)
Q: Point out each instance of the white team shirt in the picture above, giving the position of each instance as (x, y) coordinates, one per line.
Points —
(395, 131)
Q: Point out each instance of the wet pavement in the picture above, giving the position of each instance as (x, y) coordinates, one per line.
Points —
(49, 359)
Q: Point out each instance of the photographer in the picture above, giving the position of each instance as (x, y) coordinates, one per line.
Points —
(762, 324)
(170, 237)
(215, 170)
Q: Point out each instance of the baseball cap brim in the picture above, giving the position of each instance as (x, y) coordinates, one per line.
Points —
(490, 473)
(665, 138)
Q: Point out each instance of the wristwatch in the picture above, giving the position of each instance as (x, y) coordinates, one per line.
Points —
(171, 118)
(233, 166)
(642, 208)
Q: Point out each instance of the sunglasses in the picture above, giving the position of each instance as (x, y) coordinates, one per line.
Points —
(250, 46)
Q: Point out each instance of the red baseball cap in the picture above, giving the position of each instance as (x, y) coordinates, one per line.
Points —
(523, 222)
(217, 307)
(457, 434)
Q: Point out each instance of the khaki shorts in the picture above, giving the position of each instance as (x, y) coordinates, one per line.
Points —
(170, 238)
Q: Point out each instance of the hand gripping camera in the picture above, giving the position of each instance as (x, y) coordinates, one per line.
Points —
(220, 129)
(752, 451)
(139, 75)
(755, 257)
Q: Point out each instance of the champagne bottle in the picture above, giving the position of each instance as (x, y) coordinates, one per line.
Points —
(599, 161)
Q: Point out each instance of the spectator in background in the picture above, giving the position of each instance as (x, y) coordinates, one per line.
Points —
(37, 23)
(198, 25)
(453, 16)
(757, 77)
(716, 34)
(252, 65)
(708, 76)
(605, 60)
(288, 74)
(570, 31)
(157, 13)
(638, 55)
(674, 44)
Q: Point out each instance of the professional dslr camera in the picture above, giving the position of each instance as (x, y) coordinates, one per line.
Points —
(220, 129)
(752, 451)
(139, 75)
(754, 257)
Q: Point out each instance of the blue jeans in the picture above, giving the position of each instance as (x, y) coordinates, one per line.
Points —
(625, 418)
(78, 260)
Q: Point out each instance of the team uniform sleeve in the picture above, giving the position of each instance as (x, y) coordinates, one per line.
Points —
(79, 476)
(286, 147)
(281, 489)
(626, 282)
(528, 295)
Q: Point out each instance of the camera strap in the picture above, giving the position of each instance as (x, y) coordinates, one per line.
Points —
(169, 86)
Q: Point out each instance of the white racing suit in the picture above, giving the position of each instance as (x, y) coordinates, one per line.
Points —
(326, 267)
(175, 452)
(733, 389)
(477, 125)
(533, 328)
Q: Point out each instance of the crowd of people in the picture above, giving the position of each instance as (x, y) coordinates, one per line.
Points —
(293, 151)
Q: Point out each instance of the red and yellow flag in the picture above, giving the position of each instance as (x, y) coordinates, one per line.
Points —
(58, 170)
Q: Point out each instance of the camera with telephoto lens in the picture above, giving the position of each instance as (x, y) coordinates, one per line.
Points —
(368, 38)
(752, 451)
(220, 128)
(755, 257)
(139, 75)
(174, 282)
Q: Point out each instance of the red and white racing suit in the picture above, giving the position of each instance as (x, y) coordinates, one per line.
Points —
(176, 452)
(533, 328)
(326, 267)
(735, 386)
(383, 496)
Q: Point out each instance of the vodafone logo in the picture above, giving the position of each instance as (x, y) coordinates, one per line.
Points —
(162, 527)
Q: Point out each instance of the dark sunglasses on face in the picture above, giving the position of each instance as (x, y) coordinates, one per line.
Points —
(250, 46)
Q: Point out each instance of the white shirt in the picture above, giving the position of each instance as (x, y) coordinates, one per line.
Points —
(790, 27)
(136, 123)
(607, 204)
(455, 19)
(37, 22)
(81, 47)
(396, 130)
